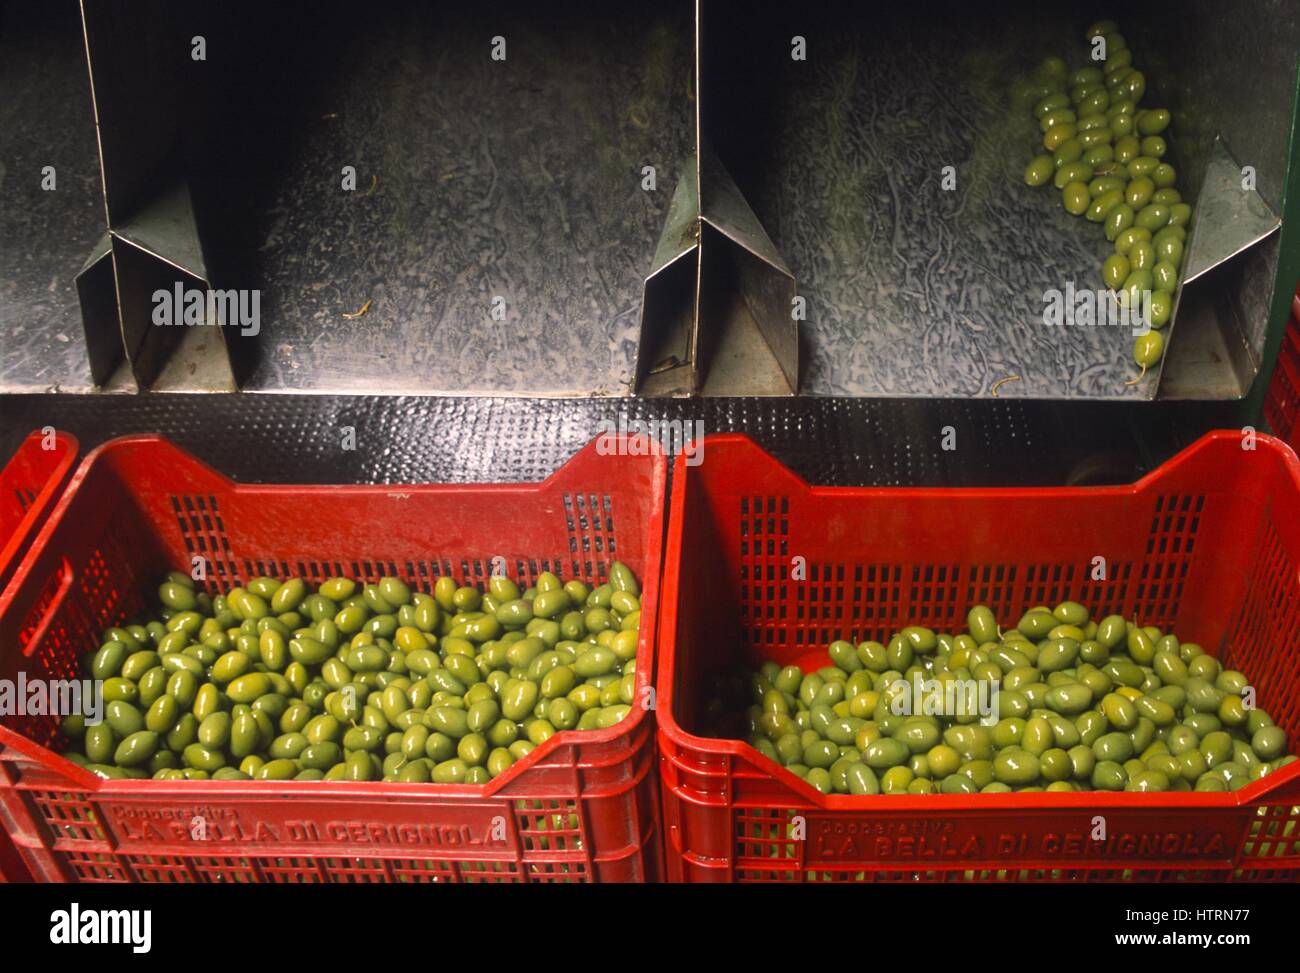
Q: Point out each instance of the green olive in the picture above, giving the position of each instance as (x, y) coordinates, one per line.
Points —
(1059, 133)
(1165, 275)
(1108, 775)
(1135, 86)
(1119, 219)
(1071, 150)
(1269, 742)
(1016, 767)
(1115, 271)
(1154, 146)
(1148, 349)
(1059, 116)
(1094, 137)
(1127, 148)
(1142, 256)
(177, 595)
(1127, 238)
(1169, 248)
(1139, 192)
(1098, 156)
(1136, 285)
(1153, 121)
(1116, 57)
(1152, 217)
(1071, 172)
(1162, 305)
(1050, 103)
(1142, 166)
(1100, 207)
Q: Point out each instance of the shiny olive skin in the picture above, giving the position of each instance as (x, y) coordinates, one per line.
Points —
(1115, 271)
(1099, 133)
(1075, 198)
(1082, 703)
(1039, 171)
(273, 681)
(1148, 349)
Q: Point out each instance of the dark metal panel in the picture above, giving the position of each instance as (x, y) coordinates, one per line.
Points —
(97, 295)
(142, 73)
(45, 236)
(400, 439)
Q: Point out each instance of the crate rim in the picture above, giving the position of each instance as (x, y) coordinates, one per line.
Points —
(1273, 443)
(52, 761)
(46, 500)
(672, 735)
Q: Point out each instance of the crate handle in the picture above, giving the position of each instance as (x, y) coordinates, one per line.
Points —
(47, 616)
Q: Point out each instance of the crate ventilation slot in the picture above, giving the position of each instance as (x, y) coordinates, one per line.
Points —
(590, 522)
(204, 534)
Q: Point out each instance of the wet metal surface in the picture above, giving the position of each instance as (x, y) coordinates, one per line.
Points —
(499, 235)
(45, 235)
(484, 186)
(401, 439)
(914, 290)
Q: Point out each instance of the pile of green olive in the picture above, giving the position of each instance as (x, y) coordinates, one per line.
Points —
(358, 681)
(1074, 704)
(1104, 153)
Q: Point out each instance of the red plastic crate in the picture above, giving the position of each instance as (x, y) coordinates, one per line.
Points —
(29, 485)
(1282, 404)
(1209, 544)
(581, 807)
